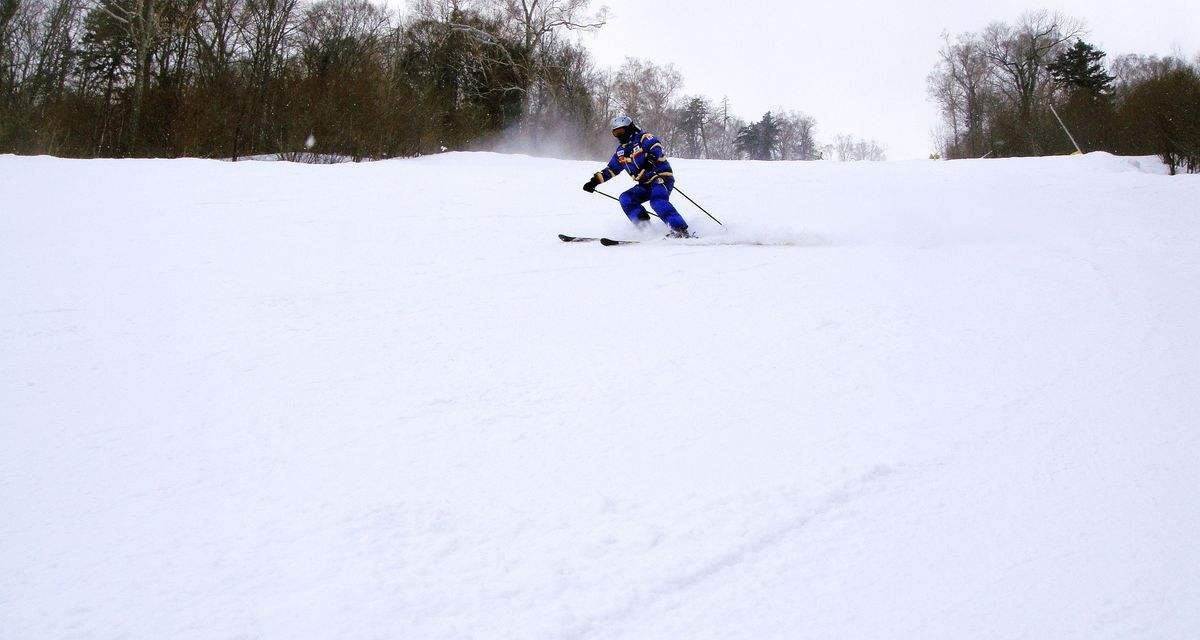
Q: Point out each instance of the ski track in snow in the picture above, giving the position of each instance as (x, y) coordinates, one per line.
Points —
(887, 400)
(642, 600)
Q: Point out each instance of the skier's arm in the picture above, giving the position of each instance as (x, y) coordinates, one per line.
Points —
(610, 171)
(603, 175)
(653, 147)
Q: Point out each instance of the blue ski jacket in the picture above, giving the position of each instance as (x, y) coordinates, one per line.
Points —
(642, 157)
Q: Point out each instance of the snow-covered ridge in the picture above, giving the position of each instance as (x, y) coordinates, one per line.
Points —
(889, 400)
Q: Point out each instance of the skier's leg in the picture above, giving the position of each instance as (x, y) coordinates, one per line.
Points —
(660, 192)
(631, 203)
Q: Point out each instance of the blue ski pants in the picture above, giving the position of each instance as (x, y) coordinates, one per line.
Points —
(657, 194)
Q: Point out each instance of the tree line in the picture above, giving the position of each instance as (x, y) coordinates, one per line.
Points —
(231, 78)
(1036, 87)
(238, 78)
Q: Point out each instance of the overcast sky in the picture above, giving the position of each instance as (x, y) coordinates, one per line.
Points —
(857, 66)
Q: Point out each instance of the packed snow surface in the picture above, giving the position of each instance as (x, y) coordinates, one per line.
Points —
(889, 400)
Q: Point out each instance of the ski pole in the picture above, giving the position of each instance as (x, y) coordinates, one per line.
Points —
(606, 195)
(618, 200)
(698, 206)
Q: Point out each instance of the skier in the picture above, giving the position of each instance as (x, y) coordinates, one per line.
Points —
(642, 155)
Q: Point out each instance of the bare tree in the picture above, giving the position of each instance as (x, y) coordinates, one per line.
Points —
(959, 85)
(1020, 54)
(543, 59)
(19, 36)
(553, 65)
(644, 91)
(332, 21)
(843, 147)
(847, 148)
(217, 32)
(724, 131)
(55, 49)
(140, 20)
(1131, 68)
(267, 29)
(536, 20)
(797, 133)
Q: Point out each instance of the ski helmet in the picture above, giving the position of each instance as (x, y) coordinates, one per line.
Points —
(622, 128)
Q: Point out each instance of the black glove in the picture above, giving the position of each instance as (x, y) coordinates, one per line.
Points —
(591, 185)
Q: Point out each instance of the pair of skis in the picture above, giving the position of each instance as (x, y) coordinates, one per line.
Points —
(608, 242)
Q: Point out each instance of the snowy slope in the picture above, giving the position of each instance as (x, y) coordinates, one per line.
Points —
(266, 400)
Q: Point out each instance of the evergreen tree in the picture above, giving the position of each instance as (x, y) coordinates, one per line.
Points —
(760, 140)
(747, 140)
(769, 136)
(1081, 68)
(693, 126)
(1087, 109)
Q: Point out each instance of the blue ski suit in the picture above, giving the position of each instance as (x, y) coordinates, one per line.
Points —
(646, 162)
